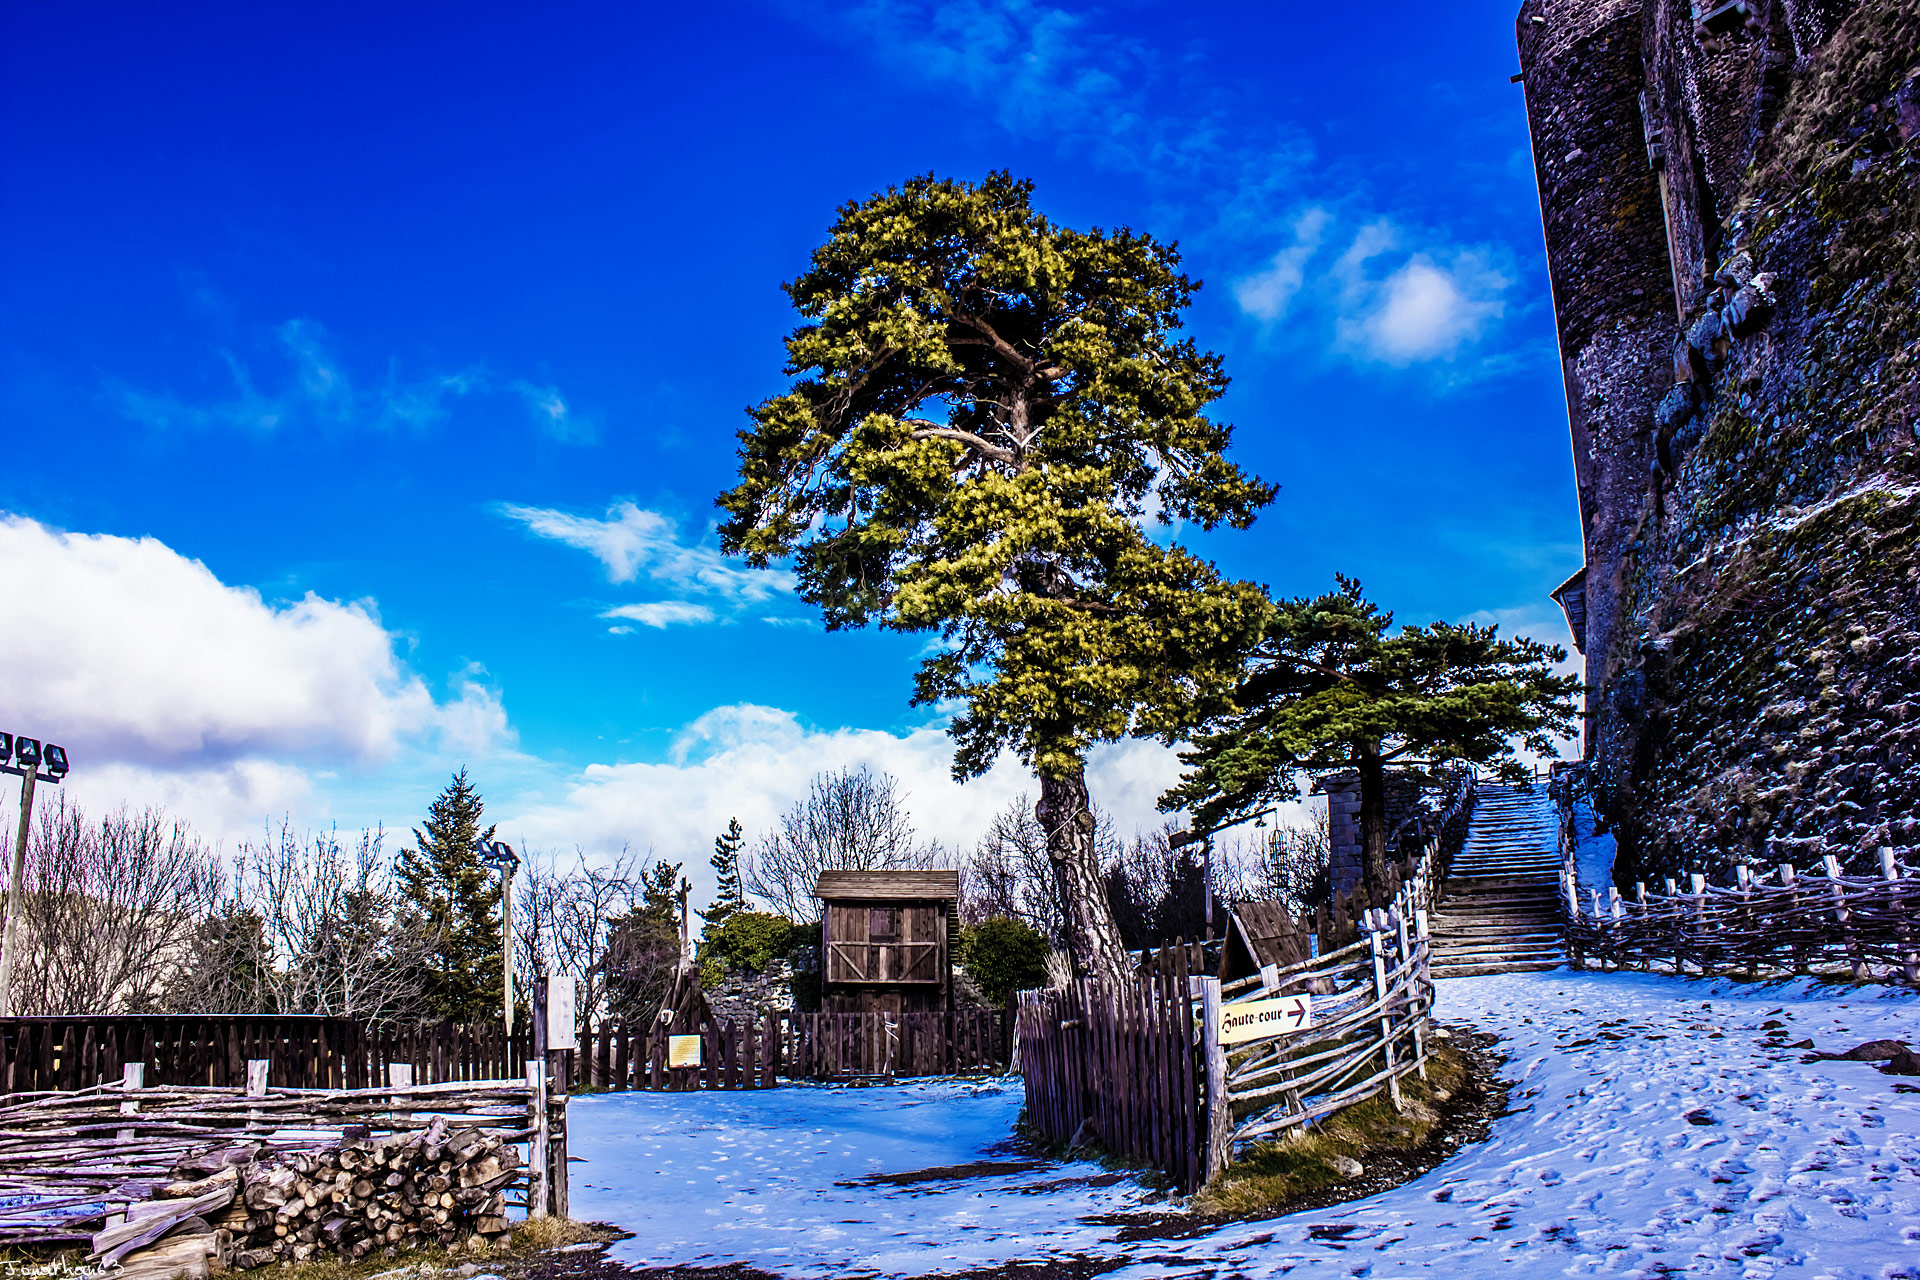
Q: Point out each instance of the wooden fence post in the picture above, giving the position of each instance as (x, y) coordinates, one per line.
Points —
(1219, 1108)
(1698, 883)
(1570, 886)
(540, 1190)
(1799, 947)
(1909, 959)
(1374, 935)
(1845, 919)
(1416, 1006)
(133, 1078)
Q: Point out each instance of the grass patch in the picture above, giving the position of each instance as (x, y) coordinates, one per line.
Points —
(1270, 1175)
(529, 1240)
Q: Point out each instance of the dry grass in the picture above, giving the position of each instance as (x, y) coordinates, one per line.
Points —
(1272, 1174)
(529, 1238)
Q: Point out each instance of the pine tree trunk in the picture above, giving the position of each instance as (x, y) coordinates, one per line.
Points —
(1066, 815)
(1373, 819)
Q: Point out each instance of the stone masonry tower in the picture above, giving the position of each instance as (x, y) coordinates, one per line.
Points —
(1730, 198)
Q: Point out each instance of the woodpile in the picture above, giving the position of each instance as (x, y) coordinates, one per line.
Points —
(443, 1185)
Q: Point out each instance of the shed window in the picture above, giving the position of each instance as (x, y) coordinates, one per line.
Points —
(883, 924)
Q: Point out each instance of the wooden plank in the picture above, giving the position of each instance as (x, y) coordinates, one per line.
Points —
(887, 886)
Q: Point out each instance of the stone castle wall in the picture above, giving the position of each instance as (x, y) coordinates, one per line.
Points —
(1731, 198)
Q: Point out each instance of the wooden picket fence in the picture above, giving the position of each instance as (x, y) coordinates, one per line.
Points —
(758, 1052)
(734, 1053)
(1117, 1063)
(834, 1046)
(1777, 920)
(67, 1053)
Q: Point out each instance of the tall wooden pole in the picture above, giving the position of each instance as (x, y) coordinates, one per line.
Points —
(506, 944)
(14, 880)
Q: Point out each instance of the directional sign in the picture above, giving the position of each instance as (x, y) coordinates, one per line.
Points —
(1259, 1019)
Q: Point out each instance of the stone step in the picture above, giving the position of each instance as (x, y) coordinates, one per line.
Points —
(1529, 929)
(1544, 900)
(1462, 953)
(1488, 970)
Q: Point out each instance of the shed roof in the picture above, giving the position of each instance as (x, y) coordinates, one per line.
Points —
(1262, 933)
(888, 886)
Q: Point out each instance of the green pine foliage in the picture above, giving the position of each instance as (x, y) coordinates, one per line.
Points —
(446, 891)
(987, 411)
(1003, 956)
(1328, 688)
(729, 894)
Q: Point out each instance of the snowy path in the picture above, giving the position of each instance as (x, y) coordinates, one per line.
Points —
(1655, 1131)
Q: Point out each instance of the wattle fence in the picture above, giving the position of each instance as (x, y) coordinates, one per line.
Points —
(1776, 920)
(1148, 1069)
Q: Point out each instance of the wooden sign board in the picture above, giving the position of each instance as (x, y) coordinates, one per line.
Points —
(1261, 1019)
(683, 1051)
(560, 1014)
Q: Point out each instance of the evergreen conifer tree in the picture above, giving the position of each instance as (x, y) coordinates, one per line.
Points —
(728, 894)
(447, 892)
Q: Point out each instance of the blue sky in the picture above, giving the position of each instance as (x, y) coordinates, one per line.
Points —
(370, 370)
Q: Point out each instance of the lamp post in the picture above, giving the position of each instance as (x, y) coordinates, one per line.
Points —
(25, 757)
(500, 855)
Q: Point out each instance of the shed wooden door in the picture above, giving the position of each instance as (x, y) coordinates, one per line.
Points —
(890, 942)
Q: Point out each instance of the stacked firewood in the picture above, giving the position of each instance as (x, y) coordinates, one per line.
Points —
(441, 1185)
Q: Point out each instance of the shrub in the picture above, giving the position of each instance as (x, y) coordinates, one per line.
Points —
(1004, 956)
(749, 940)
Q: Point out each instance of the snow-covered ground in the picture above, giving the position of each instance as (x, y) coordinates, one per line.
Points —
(1654, 1130)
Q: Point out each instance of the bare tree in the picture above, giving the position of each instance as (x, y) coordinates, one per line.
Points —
(591, 899)
(310, 928)
(110, 909)
(567, 918)
(1295, 866)
(1010, 875)
(852, 820)
(644, 951)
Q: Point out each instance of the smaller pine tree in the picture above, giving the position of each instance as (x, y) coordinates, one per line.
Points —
(728, 894)
(447, 892)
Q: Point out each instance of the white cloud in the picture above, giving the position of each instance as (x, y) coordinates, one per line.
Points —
(317, 393)
(1267, 294)
(753, 762)
(163, 681)
(1380, 300)
(633, 543)
(661, 614)
(552, 414)
(1420, 309)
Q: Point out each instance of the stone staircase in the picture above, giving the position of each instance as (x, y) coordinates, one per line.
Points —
(1501, 913)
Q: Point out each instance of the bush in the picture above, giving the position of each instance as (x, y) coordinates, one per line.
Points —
(749, 940)
(1004, 956)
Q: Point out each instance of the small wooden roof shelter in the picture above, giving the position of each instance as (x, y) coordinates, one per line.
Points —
(1261, 933)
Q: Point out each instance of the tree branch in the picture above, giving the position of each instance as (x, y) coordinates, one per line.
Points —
(929, 431)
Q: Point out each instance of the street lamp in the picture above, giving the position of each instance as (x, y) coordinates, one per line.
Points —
(24, 757)
(500, 855)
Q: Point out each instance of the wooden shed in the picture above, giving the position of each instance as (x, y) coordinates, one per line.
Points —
(886, 940)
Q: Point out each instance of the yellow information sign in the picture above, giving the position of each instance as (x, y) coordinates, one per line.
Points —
(1258, 1019)
(683, 1051)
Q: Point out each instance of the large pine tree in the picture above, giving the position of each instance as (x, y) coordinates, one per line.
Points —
(988, 413)
(449, 893)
